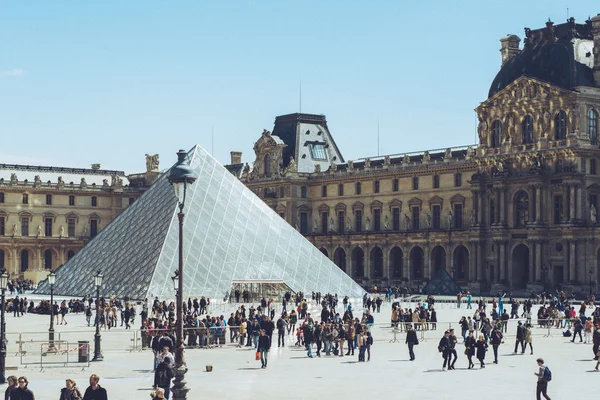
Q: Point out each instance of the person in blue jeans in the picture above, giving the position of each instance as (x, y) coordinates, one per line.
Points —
(308, 339)
(264, 344)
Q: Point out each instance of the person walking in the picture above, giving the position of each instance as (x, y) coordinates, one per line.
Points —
(481, 347)
(411, 341)
(22, 392)
(444, 348)
(70, 391)
(470, 348)
(264, 344)
(163, 375)
(596, 342)
(95, 391)
(309, 339)
(281, 331)
(520, 339)
(362, 346)
(12, 385)
(452, 355)
(544, 377)
(496, 339)
(528, 339)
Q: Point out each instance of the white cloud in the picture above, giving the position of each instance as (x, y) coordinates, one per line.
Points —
(16, 72)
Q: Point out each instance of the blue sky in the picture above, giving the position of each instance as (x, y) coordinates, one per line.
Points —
(107, 82)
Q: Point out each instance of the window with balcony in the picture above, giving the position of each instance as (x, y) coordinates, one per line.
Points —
(48, 227)
(415, 218)
(376, 220)
(436, 220)
(71, 227)
(396, 218)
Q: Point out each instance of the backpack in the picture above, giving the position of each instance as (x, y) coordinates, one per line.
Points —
(280, 324)
(547, 374)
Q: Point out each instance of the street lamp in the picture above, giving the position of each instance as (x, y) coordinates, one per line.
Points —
(180, 176)
(175, 279)
(97, 339)
(51, 282)
(3, 282)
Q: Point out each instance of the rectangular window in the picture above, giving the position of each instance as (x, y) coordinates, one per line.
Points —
(376, 187)
(358, 220)
(131, 200)
(48, 227)
(2, 226)
(458, 216)
(593, 166)
(318, 152)
(25, 226)
(358, 188)
(341, 189)
(492, 216)
(558, 209)
(415, 218)
(324, 218)
(395, 185)
(48, 199)
(281, 193)
(436, 181)
(415, 183)
(93, 228)
(94, 201)
(71, 227)
(303, 191)
(396, 218)
(1, 197)
(71, 200)
(376, 220)
(436, 220)
(324, 191)
(304, 223)
(25, 198)
(119, 202)
(341, 220)
(458, 179)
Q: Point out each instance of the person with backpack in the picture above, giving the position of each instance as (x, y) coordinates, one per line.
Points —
(281, 323)
(544, 376)
(163, 375)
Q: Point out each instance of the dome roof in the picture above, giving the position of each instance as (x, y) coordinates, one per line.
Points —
(549, 55)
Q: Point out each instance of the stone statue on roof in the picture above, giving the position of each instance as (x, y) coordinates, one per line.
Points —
(116, 180)
(152, 162)
(448, 153)
(13, 177)
(60, 180)
(406, 159)
(367, 162)
(37, 179)
(292, 166)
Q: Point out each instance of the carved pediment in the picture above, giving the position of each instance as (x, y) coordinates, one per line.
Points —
(396, 204)
(521, 90)
(280, 208)
(415, 201)
(436, 200)
(340, 207)
(323, 208)
(358, 206)
(458, 198)
(376, 204)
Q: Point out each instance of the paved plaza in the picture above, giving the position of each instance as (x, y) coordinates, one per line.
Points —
(292, 375)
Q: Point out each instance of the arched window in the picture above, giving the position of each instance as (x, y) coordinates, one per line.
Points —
(521, 209)
(527, 129)
(24, 260)
(48, 259)
(593, 126)
(268, 165)
(560, 126)
(496, 133)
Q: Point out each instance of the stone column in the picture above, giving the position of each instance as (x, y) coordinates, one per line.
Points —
(367, 262)
(531, 262)
(426, 262)
(572, 203)
(38, 255)
(406, 264)
(473, 253)
(501, 261)
(538, 260)
(572, 273)
(509, 269)
(449, 260)
(538, 204)
(502, 195)
(386, 263)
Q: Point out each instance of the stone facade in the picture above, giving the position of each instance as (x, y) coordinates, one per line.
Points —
(47, 214)
(518, 211)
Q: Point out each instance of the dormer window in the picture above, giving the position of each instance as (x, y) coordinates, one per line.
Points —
(496, 133)
(317, 151)
(560, 126)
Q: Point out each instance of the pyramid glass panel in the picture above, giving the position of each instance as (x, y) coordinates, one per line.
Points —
(229, 235)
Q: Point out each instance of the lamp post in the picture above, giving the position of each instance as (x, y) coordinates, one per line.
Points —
(180, 176)
(97, 338)
(3, 282)
(51, 282)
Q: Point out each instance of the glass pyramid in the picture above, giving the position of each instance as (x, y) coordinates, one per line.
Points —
(230, 234)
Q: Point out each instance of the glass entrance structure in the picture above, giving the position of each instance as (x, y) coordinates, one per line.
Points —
(230, 235)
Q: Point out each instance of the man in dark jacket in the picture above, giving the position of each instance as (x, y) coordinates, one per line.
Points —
(578, 327)
(166, 341)
(281, 332)
(94, 391)
(163, 375)
(22, 392)
(596, 342)
(520, 340)
(496, 339)
(444, 348)
(263, 347)
(411, 340)
(452, 356)
(308, 338)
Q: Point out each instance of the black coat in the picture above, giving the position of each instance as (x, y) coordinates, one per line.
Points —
(264, 343)
(22, 394)
(481, 347)
(411, 337)
(163, 375)
(470, 345)
(98, 394)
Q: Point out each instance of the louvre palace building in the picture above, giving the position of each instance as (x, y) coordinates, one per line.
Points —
(517, 211)
(47, 214)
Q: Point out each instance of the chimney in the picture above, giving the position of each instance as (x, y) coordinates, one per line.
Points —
(596, 36)
(95, 167)
(236, 157)
(510, 47)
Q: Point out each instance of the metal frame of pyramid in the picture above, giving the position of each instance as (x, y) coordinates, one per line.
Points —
(442, 284)
(229, 234)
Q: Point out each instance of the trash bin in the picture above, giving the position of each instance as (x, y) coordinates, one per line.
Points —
(84, 351)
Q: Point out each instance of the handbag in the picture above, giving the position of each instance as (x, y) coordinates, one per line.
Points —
(257, 356)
